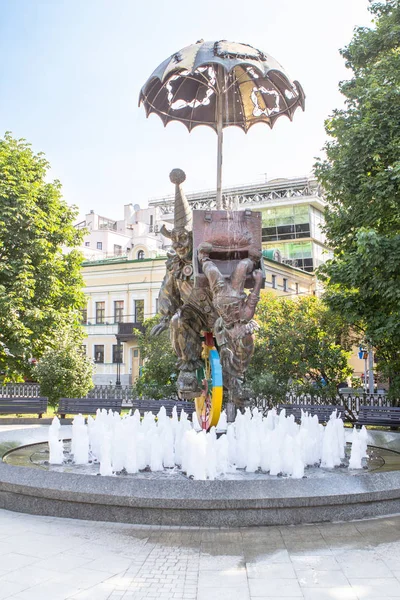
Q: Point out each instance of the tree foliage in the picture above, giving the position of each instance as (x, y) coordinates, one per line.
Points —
(361, 179)
(65, 371)
(158, 373)
(301, 346)
(40, 286)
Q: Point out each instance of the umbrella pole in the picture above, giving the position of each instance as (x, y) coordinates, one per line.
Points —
(219, 152)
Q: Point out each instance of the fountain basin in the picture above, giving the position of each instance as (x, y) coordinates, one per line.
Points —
(219, 503)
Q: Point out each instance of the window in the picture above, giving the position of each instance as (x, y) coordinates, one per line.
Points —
(136, 354)
(285, 223)
(84, 316)
(285, 286)
(99, 245)
(99, 354)
(117, 250)
(139, 311)
(87, 244)
(297, 288)
(274, 281)
(117, 353)
(151, 228)
(107, 224)
(118, 311)
(140, 255)
(100, 312)
(156, 306)
(297, 254)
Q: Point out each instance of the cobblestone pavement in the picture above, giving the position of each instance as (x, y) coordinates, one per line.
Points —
(46, 558)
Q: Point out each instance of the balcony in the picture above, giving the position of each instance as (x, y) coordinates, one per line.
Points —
(126, 331)
(101, 328)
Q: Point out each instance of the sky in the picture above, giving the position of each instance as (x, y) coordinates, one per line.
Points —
(71, 72)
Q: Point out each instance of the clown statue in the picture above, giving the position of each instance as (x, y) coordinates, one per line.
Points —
(221, 306)
(186, 310)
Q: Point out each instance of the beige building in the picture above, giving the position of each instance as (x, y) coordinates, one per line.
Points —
(121, 293)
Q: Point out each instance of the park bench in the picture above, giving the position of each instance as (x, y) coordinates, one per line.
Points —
(23, 406)
(388, 416)
(154, 406)
(322, 411)
(87, 406)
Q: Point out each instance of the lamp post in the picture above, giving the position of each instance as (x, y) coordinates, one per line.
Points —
(119, 360)
(363, 354)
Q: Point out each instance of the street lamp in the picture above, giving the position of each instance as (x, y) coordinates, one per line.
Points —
(367, 354)
(363, 355)
(119, 360)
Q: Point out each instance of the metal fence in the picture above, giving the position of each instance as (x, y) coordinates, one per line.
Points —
(127, 393)
(351, 402)
(20, 390)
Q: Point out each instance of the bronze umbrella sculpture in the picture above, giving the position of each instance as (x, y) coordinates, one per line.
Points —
(221, 84)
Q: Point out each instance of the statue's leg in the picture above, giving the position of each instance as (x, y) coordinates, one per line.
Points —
(186, 326)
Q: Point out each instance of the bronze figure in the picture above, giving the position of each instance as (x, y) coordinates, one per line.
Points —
(203, 291)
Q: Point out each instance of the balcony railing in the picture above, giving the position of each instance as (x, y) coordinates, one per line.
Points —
(126, 331)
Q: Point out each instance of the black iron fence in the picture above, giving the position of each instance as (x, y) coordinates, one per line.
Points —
(351, 402)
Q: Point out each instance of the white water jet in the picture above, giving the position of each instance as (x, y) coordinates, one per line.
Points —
(56, 446)
(156, 454)
(80, 441)
(211, 454)
(274, 443)
(357, 447)
(105, 456)
(298, 463)
(222, 424)
(222, 447)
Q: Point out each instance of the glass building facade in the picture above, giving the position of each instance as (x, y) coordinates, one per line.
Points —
(296, 231)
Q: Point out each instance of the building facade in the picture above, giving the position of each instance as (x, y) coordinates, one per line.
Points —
(120, 295)
(135, 237)
(292, 216)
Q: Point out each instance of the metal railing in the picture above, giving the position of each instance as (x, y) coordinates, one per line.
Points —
(350, 402)
(20, 390)
(127, 393)
(250, 194)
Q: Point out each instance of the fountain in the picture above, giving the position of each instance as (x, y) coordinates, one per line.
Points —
(273, 444)
(264, 469)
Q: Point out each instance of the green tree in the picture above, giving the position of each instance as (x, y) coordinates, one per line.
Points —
(65, 371)
(301, 346)
(40, 285)
(361, 179)
(158, 373)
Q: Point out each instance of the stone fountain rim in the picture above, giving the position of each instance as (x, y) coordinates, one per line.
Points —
(226, 503)
(282, 492)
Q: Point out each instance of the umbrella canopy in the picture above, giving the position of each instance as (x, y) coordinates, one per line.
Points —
(221, 84)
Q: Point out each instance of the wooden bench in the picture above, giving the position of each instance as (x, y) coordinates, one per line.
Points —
(23, 406)
(388, 416)
(322, 411)
(154, 406)
(87, 406)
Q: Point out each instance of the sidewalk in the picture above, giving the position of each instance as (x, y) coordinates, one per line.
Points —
(44, 558)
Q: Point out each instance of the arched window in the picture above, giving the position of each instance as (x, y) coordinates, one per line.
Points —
(140, 255)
